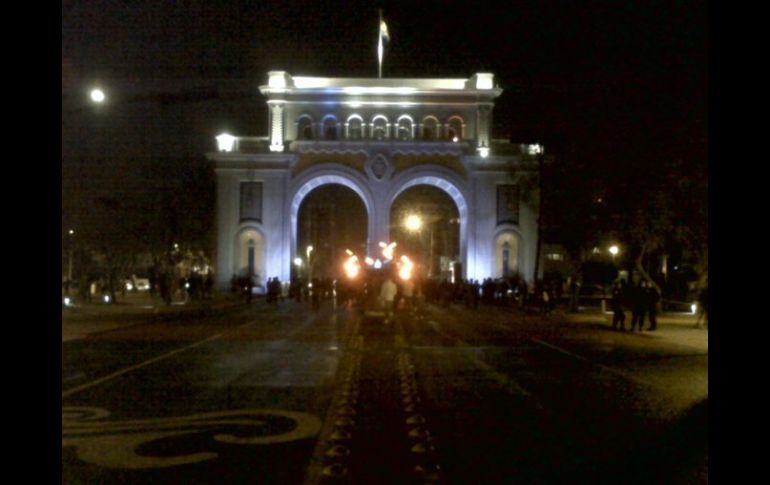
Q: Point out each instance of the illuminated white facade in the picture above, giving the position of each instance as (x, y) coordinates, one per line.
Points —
(377, 137)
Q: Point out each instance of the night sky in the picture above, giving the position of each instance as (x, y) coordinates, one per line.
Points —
(605, 83)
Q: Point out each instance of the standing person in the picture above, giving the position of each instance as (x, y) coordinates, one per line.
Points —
(638, 305)
(248, 289)
(407, 292)
(703, 308)
(315, 294)
(208, 286)
(551, 298)
(388, 294)
(653, 298)
(271, 293)
(546, 301)
(164, 287)
(618, 313)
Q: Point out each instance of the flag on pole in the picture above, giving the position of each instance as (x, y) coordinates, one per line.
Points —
(383, 35)
(384, 30)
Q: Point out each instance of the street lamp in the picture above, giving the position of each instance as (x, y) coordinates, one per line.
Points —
(225, 142)
(614, 250)
(297, 266)
(69, 262)
(309, 250)
(413, 223)
(97, 96)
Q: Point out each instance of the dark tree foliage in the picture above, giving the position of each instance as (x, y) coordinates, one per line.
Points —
(131, 214)
(654, 206)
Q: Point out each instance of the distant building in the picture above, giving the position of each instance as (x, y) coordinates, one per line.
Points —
(377, 137)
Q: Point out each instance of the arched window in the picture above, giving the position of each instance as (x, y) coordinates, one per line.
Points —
(252, 248)
(305, 128)
(250, 255)
(380, 127)
(429, 128)
(404, 131)
(506, 259)
(330, 128)
(455, 128)
(506, 254)
(355, 127)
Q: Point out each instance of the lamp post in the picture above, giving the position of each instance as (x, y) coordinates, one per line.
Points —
(308, 251)
(297, 266)
(614, 250)
(414, 224)
(537, 149)
(71, 233)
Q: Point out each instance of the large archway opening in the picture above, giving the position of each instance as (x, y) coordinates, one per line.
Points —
(331, 219)
(425, 222)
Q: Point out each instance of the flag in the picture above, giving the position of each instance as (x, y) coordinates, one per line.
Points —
(384, 31)
(383, 35)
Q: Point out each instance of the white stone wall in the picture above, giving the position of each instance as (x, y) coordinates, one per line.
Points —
(484, 228)
(275, 224)
(476, 199)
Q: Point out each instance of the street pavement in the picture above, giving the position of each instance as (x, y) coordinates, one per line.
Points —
(444, 395)
(83, 319)
(676, 328)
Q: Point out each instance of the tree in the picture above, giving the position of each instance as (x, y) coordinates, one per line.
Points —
(574, 210)
(671, 213)
(129, 211)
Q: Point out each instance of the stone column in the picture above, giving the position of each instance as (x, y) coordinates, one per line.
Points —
(276, 127)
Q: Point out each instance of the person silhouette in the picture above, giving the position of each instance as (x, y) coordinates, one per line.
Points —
(638, 305)
(653, 297)
(388, 294)
(618, 312)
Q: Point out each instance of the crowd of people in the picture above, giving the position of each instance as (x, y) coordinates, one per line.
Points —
(642, 299)
(540, 297)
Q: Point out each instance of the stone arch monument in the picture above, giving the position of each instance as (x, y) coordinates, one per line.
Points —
(404, 133)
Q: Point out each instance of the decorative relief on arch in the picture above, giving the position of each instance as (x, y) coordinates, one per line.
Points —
(379, 168)
(307, 160)
(403, 162)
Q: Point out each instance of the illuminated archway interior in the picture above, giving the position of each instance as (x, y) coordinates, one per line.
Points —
(332, 218)
(432, 239)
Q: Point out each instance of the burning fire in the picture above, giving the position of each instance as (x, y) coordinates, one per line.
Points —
(352, 265)
(405, 267)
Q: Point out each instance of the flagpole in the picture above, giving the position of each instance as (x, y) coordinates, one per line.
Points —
(379, 47)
